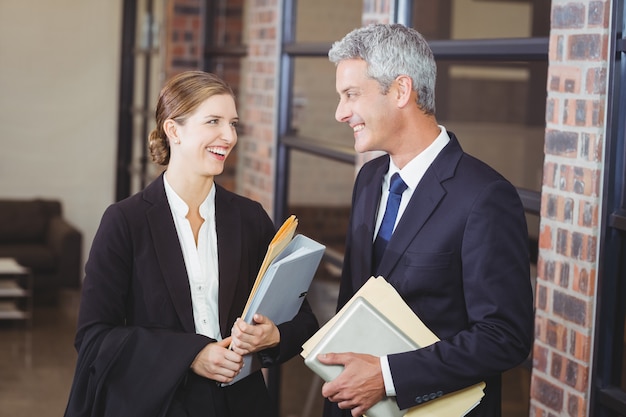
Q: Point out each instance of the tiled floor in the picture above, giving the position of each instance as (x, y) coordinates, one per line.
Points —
(36, 366)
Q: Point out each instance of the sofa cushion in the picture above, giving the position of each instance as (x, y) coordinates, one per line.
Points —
(36, 257)
(23, 221)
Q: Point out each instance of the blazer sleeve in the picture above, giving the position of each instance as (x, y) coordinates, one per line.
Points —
(120, 368)
(120, 371)
(496, 299)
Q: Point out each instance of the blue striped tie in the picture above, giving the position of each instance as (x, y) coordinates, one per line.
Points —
(396, 189)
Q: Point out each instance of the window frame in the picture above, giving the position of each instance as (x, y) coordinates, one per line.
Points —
(502, 49)
(608, 398)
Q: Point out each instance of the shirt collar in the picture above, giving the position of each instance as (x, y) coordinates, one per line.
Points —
(180, 208)
(413, 172)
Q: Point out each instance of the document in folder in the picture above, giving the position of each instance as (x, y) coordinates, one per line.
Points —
(377, 303)
(279, 292)
(279, 242)
(376, 335)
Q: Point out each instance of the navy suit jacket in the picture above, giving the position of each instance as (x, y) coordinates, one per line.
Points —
(459, 258)
(136, 335)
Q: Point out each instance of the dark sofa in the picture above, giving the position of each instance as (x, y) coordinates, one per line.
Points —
(35, 233)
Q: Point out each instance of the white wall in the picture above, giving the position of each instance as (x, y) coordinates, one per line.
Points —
(59, 66)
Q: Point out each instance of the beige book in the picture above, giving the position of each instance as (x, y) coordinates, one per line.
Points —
(385, 300)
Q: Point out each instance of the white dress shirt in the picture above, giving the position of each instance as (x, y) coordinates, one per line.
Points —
(201, 260)
(411, 174)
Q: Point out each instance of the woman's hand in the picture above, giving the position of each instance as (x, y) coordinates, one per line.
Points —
(249, 338)
(216, 361)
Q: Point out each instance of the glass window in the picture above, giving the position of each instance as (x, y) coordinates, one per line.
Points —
(326, 20)
(314, 180)
(493, 111)
(314, 102)
(481, 19)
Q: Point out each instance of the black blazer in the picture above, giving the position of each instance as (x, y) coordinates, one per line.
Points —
(459, 258)
(136, 325)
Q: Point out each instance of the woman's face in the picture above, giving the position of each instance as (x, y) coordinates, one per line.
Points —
(203, 142)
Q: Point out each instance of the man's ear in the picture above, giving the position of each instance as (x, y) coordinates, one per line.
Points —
(171, 129)
(404, 90)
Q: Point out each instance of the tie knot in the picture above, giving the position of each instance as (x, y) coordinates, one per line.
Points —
(397, 186)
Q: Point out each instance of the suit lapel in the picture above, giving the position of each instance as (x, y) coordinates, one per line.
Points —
(425, 199)
(228, 252)
(168, 252)
(366, 206)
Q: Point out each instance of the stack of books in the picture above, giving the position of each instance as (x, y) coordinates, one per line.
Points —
(377, 321)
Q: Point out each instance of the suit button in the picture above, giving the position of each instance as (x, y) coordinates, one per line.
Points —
(425, 398)
(418, 399)
(433, 395)
(439, 393)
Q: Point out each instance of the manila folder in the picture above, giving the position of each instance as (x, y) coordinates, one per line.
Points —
(282, 289)
(385, 299)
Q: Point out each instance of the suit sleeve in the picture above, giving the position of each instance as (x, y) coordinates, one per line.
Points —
(120, 367)
(498, 301)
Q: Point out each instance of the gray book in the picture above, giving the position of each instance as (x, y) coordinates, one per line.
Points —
(361, 329)
(282, 290)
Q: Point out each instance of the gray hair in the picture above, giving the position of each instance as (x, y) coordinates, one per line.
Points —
(391, 50)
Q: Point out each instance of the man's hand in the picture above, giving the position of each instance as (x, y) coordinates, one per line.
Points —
(249, 338)
(217, 362)
(359, 386)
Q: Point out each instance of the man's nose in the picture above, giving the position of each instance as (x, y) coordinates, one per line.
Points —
(342, 113)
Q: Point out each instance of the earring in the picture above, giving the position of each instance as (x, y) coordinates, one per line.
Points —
(176, 141)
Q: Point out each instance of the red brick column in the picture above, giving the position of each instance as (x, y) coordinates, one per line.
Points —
(259, 110)
(572, 181)
(183, 36)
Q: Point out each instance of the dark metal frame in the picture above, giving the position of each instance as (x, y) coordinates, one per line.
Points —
(126, 96)
(514, 49)
(525, 50)
(608, 397)
(131, 52)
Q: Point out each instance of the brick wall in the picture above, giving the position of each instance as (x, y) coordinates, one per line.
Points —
(183, 36)
(572, 180)
(257, 146)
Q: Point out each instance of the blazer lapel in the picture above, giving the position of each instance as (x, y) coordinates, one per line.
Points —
(424, 201)
(229, 233)
(168, 252)
(366, 208)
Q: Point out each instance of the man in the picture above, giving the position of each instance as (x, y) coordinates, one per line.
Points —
(458, 255)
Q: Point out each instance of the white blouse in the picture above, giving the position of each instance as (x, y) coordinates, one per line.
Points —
(201, 260)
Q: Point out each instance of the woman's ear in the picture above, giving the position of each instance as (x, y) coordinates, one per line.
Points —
(404, 89)
(171, 130)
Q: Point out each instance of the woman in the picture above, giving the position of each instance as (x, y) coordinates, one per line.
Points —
(169, 272)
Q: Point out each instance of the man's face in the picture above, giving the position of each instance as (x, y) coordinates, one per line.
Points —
(369, 113)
